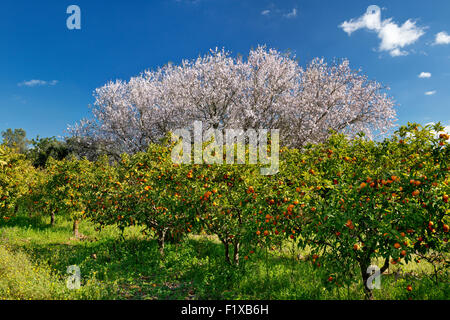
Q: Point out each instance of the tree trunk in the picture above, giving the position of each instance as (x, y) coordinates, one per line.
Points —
(162, 241)
(368, 294)
(52, 219)
(75, 228)
(227, 251)
(236, 253)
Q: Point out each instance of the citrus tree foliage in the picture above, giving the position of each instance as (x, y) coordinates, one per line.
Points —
(360, 201)
(225, 203)
(352, 203)
(267, 90)
(67, 188)
(145, 189)
(16, 175)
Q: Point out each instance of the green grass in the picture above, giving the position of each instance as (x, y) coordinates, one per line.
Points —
(34, 258)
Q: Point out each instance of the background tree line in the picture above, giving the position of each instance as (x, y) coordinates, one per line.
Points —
(39, 150)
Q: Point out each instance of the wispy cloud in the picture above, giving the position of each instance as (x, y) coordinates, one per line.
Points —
(273, 11)
(291, 14)
(430, 93)
(424, 75)
(393, 37)
(19, 99)
(37, 83)
(188, 1)
(442, 38)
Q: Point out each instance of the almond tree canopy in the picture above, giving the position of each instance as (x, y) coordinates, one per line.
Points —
(267, 90)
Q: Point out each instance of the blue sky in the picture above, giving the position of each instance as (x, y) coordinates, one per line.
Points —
(119, 39)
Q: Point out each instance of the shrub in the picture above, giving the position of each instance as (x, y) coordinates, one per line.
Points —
(20, 279)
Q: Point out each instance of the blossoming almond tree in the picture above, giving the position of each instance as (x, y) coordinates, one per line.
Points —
(267, 90)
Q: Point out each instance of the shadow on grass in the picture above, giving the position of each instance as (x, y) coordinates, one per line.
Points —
(23, 221)
(188, 270)
(192, 269)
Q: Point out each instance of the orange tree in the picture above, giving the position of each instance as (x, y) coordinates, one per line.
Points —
(34, 199)
(269, 205)
(103, 193)
(145, 189)
(172, 200)
(41, 197)
(66, 189)
(287, 198)
(16, 175)
(373, 200)
(226, 206)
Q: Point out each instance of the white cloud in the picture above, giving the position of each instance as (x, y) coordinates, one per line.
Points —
(430, 93)
(424, 75)
(370, 20)
(442, 38)
(393, 37)
(37, 83)
(291, 14)
(273, 11)
(398, 53)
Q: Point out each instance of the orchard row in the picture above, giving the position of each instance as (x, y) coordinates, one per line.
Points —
(348, 201)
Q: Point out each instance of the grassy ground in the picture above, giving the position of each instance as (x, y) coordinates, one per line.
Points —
(34, 258)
